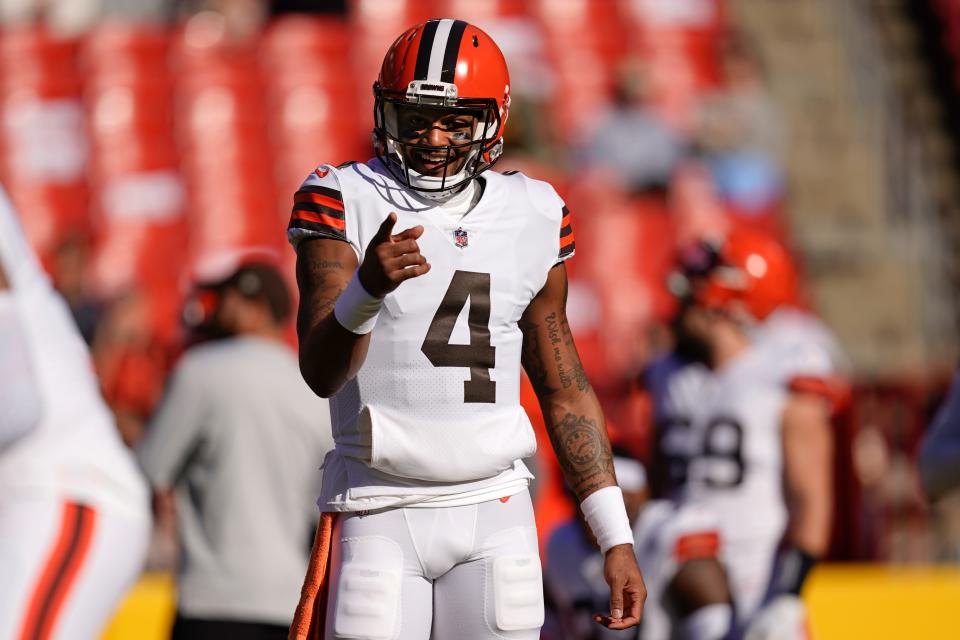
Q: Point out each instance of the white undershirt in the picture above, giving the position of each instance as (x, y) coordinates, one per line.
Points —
(456, 206)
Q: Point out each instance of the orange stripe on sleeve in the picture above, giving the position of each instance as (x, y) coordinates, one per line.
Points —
(565, 222)
(321, 218)
(566, 241)
(811, 384)
(834, 390)
(318, 198)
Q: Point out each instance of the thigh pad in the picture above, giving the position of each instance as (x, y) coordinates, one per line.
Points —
(368, 589)
(518, 591)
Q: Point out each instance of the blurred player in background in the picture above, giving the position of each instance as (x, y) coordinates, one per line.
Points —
(436, 534)
(74, 515)
(747, 431)
(237, 437)
(688, 596)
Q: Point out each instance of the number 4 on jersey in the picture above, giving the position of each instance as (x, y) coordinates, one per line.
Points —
(479, 354)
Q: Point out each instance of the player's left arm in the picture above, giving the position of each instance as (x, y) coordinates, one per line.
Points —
(807, 443)
(575, 424)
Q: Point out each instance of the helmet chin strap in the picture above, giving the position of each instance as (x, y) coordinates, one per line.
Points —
(419, 182)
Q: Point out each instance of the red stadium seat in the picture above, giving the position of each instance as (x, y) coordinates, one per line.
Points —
(391, 13)
(31, 56)
(43, 145)
(120, 52)
(480, 12)
(219, 107)
(299, 42)
(114, 109)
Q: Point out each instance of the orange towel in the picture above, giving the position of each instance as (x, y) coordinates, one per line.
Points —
(308, 621)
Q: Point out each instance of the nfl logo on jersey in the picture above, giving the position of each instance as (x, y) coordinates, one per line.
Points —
(460, 237)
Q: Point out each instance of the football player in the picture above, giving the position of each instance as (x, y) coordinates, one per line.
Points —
(426, 279)
(688, 596)
(74, 517)
(747, 432)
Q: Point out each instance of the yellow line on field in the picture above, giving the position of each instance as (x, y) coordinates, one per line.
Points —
(883, 602)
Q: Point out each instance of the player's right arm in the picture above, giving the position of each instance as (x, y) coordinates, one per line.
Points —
(329, 353)
(332, 348)
(808, 472)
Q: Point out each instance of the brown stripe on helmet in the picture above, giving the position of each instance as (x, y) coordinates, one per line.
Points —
(423, 52)
(452, 51)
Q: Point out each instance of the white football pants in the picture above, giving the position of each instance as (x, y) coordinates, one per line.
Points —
(447, 572)
(64, 566)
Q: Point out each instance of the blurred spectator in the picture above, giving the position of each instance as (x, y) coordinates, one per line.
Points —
(696, 207)
(73, 17)
(237, 437)
(74, 522)
(630, 140)
(243, 18)
(532, 83)
(940, 452)
(130, 361)
(741, 132)
(69, 272)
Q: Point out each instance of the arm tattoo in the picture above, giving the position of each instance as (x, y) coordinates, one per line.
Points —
(318, 265)
(319, 290)
(557, 345)
(553, 331)
(579, 375)
(583, 452)
(532, 360)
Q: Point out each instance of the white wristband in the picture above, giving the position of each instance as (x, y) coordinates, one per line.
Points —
(606, 514)
(356, 310)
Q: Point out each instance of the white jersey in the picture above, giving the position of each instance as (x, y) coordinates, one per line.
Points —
(434, 415)
(75, 450)
(730, 421)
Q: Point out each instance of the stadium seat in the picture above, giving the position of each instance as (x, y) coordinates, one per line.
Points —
(300, 42)
(43, 145)
(481, 11)
(31, 56)
(120, 52)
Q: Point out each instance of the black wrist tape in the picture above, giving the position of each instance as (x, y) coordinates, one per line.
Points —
(793, 567)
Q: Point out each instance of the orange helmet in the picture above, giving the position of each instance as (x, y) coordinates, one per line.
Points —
(445, 64)
(747, 266)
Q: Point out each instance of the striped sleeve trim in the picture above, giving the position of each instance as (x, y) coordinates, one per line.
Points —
(830, 388)
(318, 211)
(567, 244)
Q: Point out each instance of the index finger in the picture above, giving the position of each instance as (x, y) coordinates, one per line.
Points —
(386, 227)
(409, 234)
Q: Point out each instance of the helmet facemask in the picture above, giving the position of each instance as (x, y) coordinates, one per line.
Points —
(478, 152)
